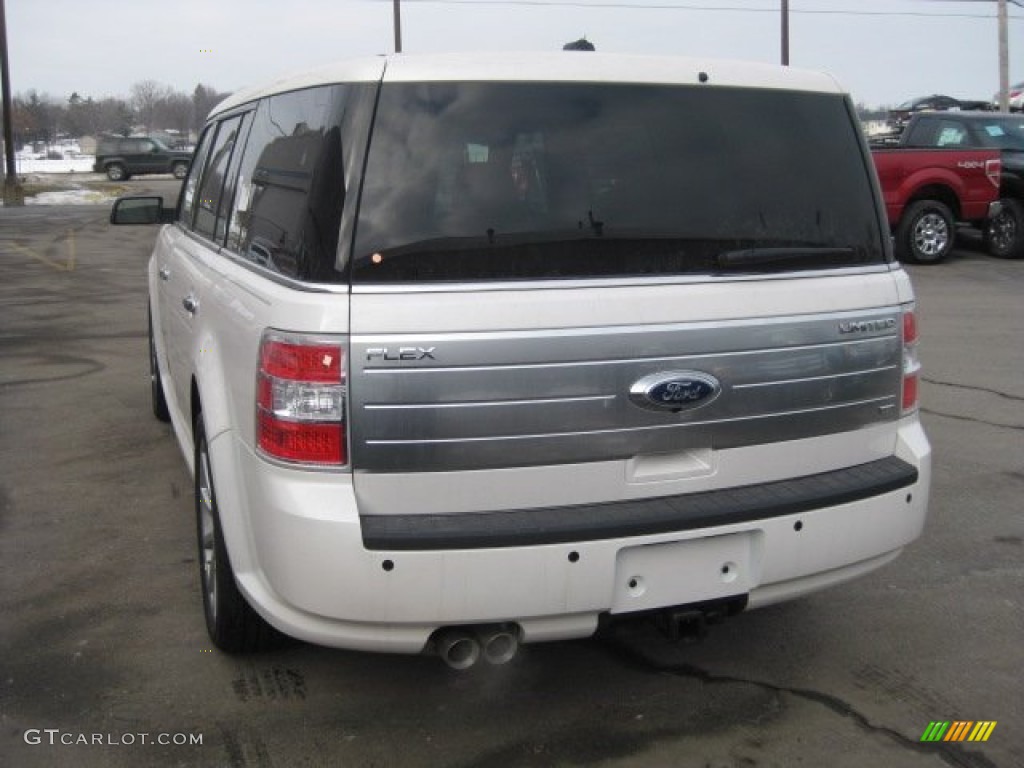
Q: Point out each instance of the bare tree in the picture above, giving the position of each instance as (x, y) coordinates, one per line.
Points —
(36, 117)
(145, 98)
(80, 116)
(39, 117)
(174, 111)
(204, 99)
(114, 116)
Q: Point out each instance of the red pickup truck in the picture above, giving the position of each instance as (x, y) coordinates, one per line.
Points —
(927, 191)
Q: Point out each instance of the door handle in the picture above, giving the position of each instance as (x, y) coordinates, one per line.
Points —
(165, 273)
(190, 303)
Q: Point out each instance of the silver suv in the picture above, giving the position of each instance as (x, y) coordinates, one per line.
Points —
(466, 352)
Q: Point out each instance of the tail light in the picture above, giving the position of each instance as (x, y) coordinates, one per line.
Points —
(300, 399)
(994, 171)
(911, 363)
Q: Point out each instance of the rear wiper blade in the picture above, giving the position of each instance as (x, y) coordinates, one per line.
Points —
(759, 256)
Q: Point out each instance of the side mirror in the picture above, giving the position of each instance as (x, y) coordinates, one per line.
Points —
(140, 210)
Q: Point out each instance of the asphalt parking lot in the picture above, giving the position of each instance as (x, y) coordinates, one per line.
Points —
(104, 659)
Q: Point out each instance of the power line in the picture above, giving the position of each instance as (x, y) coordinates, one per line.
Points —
(709, 8)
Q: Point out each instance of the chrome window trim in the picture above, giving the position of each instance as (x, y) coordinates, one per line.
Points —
(516, 285)
(276, 277)
(608, 282)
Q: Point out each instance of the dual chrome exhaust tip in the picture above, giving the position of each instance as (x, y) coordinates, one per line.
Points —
(462, 647)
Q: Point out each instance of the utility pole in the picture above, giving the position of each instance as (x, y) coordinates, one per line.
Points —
(785, 33)
(398, 26)
(1004, 59)
(12, 189)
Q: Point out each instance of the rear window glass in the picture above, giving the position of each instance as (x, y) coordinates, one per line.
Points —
(482, 181)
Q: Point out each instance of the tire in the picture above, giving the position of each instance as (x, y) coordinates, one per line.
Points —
(926, 232)
(156, 387)
(116, 172)
(180, 170)
(233, 626)
(1004, 233)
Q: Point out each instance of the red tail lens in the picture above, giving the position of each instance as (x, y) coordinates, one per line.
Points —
(909, 328)
(306, 443)
(300, 400)
(299, 362)
(911, 363)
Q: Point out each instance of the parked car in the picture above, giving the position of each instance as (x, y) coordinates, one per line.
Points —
(1015, 95)
(122, 158)
(472, 351)
(1004, 233)
(927, 191)
(934, 103)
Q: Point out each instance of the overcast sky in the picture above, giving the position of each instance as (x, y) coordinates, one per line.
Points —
(882, 51)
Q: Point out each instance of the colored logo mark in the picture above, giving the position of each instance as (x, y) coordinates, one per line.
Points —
(959, 730)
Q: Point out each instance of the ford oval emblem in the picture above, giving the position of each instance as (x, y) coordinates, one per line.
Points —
(675, 391)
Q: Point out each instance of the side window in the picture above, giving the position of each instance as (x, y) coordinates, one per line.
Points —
(186, 204)
(923, 134)
(212, 185)
(950, 135)
(291, 185)
(231, 180)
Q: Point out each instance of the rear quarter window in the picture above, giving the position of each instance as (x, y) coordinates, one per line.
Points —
(291, 185)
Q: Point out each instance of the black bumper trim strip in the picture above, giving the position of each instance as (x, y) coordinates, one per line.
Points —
(640, 517)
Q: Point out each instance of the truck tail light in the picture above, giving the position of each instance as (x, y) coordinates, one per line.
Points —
(911, 363)
(300, 399)
(994, 171)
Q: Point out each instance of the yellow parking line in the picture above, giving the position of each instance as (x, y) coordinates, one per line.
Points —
(68, 267)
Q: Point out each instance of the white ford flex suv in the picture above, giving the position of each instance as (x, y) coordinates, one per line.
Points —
(472, 351)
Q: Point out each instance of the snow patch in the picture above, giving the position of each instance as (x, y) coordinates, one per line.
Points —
(80, 164)
(70, 197)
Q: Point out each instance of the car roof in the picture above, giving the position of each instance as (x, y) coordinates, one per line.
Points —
(560, 66)
(976, 114)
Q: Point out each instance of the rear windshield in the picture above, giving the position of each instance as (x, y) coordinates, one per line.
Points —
(500, 181)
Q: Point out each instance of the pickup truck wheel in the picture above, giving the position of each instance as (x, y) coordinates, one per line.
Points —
(1004, 235)
(925, 233)
(233, 626)
(115, 172)
(156, 388)
(180, 170)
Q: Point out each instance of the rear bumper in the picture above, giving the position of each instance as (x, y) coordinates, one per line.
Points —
(663, 514)
(297, 543)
